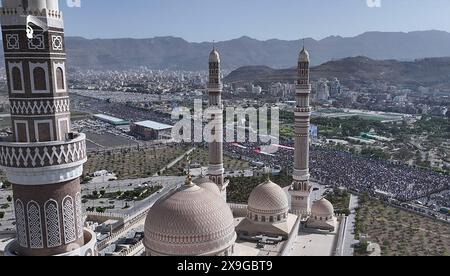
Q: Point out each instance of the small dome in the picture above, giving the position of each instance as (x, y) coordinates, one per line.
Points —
(322, 208)
(268, 199)
(304, 56)
(207, 184)
(214, 56)
(192, 221)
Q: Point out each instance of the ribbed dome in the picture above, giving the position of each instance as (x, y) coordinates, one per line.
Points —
(214, 56)
(268, 198)
(322, 208)
(190, 222)
(207, 184)
(304, 56)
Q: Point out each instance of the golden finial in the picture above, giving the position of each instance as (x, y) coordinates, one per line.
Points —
(267, 171)
(188, 182)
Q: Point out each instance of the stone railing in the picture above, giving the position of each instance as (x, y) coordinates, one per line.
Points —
(303, 109)
(132, 249)
(37, 12)
(215, 86)
(238, 210)
(339, 243)
(40, 155)
(286, 250)
(104, 243)
(32, 107)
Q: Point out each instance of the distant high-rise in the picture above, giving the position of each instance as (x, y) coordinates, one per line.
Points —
(335, 88)
(323, 90)
(301, 189)
(43, 159)
(215, 168)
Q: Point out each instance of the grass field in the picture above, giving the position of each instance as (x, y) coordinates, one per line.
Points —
(400, 233)
(133, 163)
(200, 156)
(240, 188)
(340, 201)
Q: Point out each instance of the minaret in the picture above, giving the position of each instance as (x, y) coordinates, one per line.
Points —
(215, 168)
(301, 189)
(43, 159)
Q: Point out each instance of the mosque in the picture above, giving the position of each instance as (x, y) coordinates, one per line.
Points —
(195, 219)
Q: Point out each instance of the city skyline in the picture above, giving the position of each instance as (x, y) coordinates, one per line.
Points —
(261, 20)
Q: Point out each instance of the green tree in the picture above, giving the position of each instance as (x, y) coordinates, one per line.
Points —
(6, 184)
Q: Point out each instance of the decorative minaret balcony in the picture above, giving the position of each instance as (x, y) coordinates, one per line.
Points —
(215, 86)
(43, 163)
(43, 159)
(37, 12)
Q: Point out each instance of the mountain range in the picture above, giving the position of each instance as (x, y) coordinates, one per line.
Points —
(428, 72)
(176, 53)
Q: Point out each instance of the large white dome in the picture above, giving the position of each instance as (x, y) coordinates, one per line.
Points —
(268, 199)
(190, 222)
(322, 208)
(207, 184)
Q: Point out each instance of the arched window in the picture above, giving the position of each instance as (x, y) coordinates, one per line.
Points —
(69, 220)
(35, 225)
(52, 224)
(78, 214)
(21, 224)
(16, 79)
(39, 78)
(60, 79)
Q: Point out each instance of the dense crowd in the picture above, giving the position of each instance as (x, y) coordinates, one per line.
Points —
(359, 173)
(119, 110)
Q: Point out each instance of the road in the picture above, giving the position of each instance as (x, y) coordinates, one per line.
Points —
(128, 184)
(174, 162)
(142, 206)
(349, 237)
(137, 215)
(167, 182)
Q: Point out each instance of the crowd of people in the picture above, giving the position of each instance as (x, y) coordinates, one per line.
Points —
(343, 169)
(120, 110)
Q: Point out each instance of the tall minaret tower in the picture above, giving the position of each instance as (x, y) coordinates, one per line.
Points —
(215, 168)
(301, 189)
(43, 159)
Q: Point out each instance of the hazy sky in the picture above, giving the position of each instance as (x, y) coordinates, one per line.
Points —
(207, 20)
